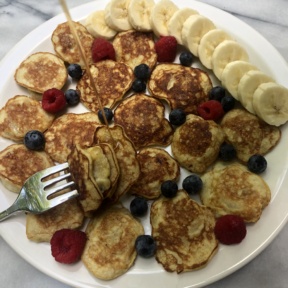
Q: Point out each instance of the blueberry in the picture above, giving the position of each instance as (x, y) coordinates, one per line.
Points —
(227, 152)
(72, 97)
(257, 164)
(34, 140)
(169, 188)
(186, 58)
(177, 117)
(108, 113)
(75, 71)
(228, 103)
(142, 72)
(217, 93)
(138, 85)
(145, 246)
(138, 207)
(192, 184)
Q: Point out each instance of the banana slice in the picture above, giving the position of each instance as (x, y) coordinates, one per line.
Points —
(208, 43)
(232, 74)
(248, 85)
(139, 12)
(116, 15)
(270, 102)
(96, 25)
(194, 28)
(160, 16)
(176, 22)
(226, 52)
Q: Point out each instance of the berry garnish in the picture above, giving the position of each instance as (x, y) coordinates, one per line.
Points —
(192, 184)
(217, 93)
(108, 114)
(257, 163)
(53, 100)
(142, 71)
(102, 50)
(166, 49)
(230, 229)
(138, 85)
(138, 207)
(75, 71)
(145, 246)
(228, 103)
(72, 97)
(227, 152)
(210, 110)
(169, 188)
(186, 58)
(177, 117)
(67, 245)
(34, 140)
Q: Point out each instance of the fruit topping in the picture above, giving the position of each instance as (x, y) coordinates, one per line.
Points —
(72, 97)
(257, 163)
(210, 110)
(186, 58)
(169, 188)
(138, 207)
(230, 229)
(142, 71)
(102, 50)
(67, 245)
(217, 93)
(227, 152)
(145, 246)
(166, 49)
(177, 117)
(228, 103)
(75, 71)
(53, 100)
(34, 140)
(138, 85)
(108, 114)
(192, 184)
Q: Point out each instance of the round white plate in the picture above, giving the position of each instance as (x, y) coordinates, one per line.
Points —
(147, 272)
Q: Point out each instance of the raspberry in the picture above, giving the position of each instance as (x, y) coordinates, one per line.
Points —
(53, 100)
(102, 50)
(230, 229)
(210, 110)
(166, 49)
(67, 245)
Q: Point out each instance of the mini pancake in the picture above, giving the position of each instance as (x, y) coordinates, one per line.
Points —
(66, 47)
(112, 81)
(126, 157)
(134, 48)
(156, 166)
(142, 118)
(182, 87)
(184, 233)
(233, 189)
(17, 164)
(22, 114)
(248, 134)
(41, 71)
(110, 248)
(67, 131)
(41, 227)
(196, 143)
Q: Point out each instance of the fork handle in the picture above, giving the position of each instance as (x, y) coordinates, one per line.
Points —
(6, 213)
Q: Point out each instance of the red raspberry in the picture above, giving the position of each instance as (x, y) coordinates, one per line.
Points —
(53, 100)
(102, 50)
(230, 229)
(166, 49)
(67, 245)
(210, 110)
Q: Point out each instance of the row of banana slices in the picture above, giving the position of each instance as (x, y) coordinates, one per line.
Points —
(216, 50)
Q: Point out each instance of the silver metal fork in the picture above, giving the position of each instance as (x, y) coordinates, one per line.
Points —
(36, 195)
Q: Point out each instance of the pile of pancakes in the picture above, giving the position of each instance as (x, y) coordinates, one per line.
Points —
(130, 157)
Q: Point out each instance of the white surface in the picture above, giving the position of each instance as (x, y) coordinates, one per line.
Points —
(258, 236)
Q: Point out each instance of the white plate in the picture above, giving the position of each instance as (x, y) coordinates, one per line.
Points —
(146, 272)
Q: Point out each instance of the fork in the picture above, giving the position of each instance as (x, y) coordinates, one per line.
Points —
(36, 194)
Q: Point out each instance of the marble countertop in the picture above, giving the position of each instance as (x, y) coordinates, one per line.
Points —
(270, 18)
